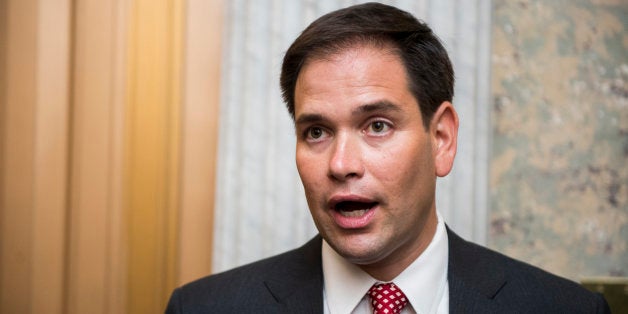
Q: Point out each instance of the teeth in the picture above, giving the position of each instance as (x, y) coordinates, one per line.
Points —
(353, 213)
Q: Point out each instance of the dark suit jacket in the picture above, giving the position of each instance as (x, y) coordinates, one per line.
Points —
(480, 281)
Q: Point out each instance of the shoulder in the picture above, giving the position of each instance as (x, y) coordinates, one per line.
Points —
(516, 285)
(244, 287)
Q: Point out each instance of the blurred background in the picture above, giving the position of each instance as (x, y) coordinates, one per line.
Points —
(144, 144)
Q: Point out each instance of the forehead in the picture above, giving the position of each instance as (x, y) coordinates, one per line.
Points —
(353, 54)
(356, 75)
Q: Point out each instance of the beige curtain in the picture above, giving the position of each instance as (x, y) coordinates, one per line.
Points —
(108, 114)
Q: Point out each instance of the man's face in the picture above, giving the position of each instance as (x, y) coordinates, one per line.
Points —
(365, 159)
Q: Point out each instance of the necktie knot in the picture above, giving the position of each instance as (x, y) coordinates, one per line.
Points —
(387, 298)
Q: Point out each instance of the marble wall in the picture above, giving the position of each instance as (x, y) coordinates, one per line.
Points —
(559, 169)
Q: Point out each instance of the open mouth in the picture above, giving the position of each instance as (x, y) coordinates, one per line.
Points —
(353, 208)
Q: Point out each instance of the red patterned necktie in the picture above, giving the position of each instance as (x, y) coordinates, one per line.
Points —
(387, 298)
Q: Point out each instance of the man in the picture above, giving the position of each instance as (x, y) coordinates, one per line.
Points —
(370, 88)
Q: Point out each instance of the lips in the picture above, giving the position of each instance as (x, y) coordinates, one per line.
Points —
(351, 211)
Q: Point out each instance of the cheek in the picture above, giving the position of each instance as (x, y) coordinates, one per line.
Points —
(309, 169)
(405, 169)
(302, 163)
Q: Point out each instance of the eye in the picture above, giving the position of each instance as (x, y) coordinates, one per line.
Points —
(378, 127)
(315, 133)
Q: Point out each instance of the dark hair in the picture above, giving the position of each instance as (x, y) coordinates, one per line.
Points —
(429, 71)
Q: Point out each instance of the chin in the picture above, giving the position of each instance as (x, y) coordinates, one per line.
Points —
(357, 249)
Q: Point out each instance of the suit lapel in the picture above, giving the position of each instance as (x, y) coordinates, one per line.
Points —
(297, 284)
(474, 281)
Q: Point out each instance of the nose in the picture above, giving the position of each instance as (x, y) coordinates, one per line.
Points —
(346, 158)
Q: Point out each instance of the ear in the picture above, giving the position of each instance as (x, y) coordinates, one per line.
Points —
(444, 133)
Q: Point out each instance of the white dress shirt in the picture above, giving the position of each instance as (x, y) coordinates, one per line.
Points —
(424, 282)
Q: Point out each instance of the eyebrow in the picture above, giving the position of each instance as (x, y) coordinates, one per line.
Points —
(378, 106)
(309, 118)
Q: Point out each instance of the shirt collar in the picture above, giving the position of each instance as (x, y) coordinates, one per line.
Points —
(345, 283)
(423, 281)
